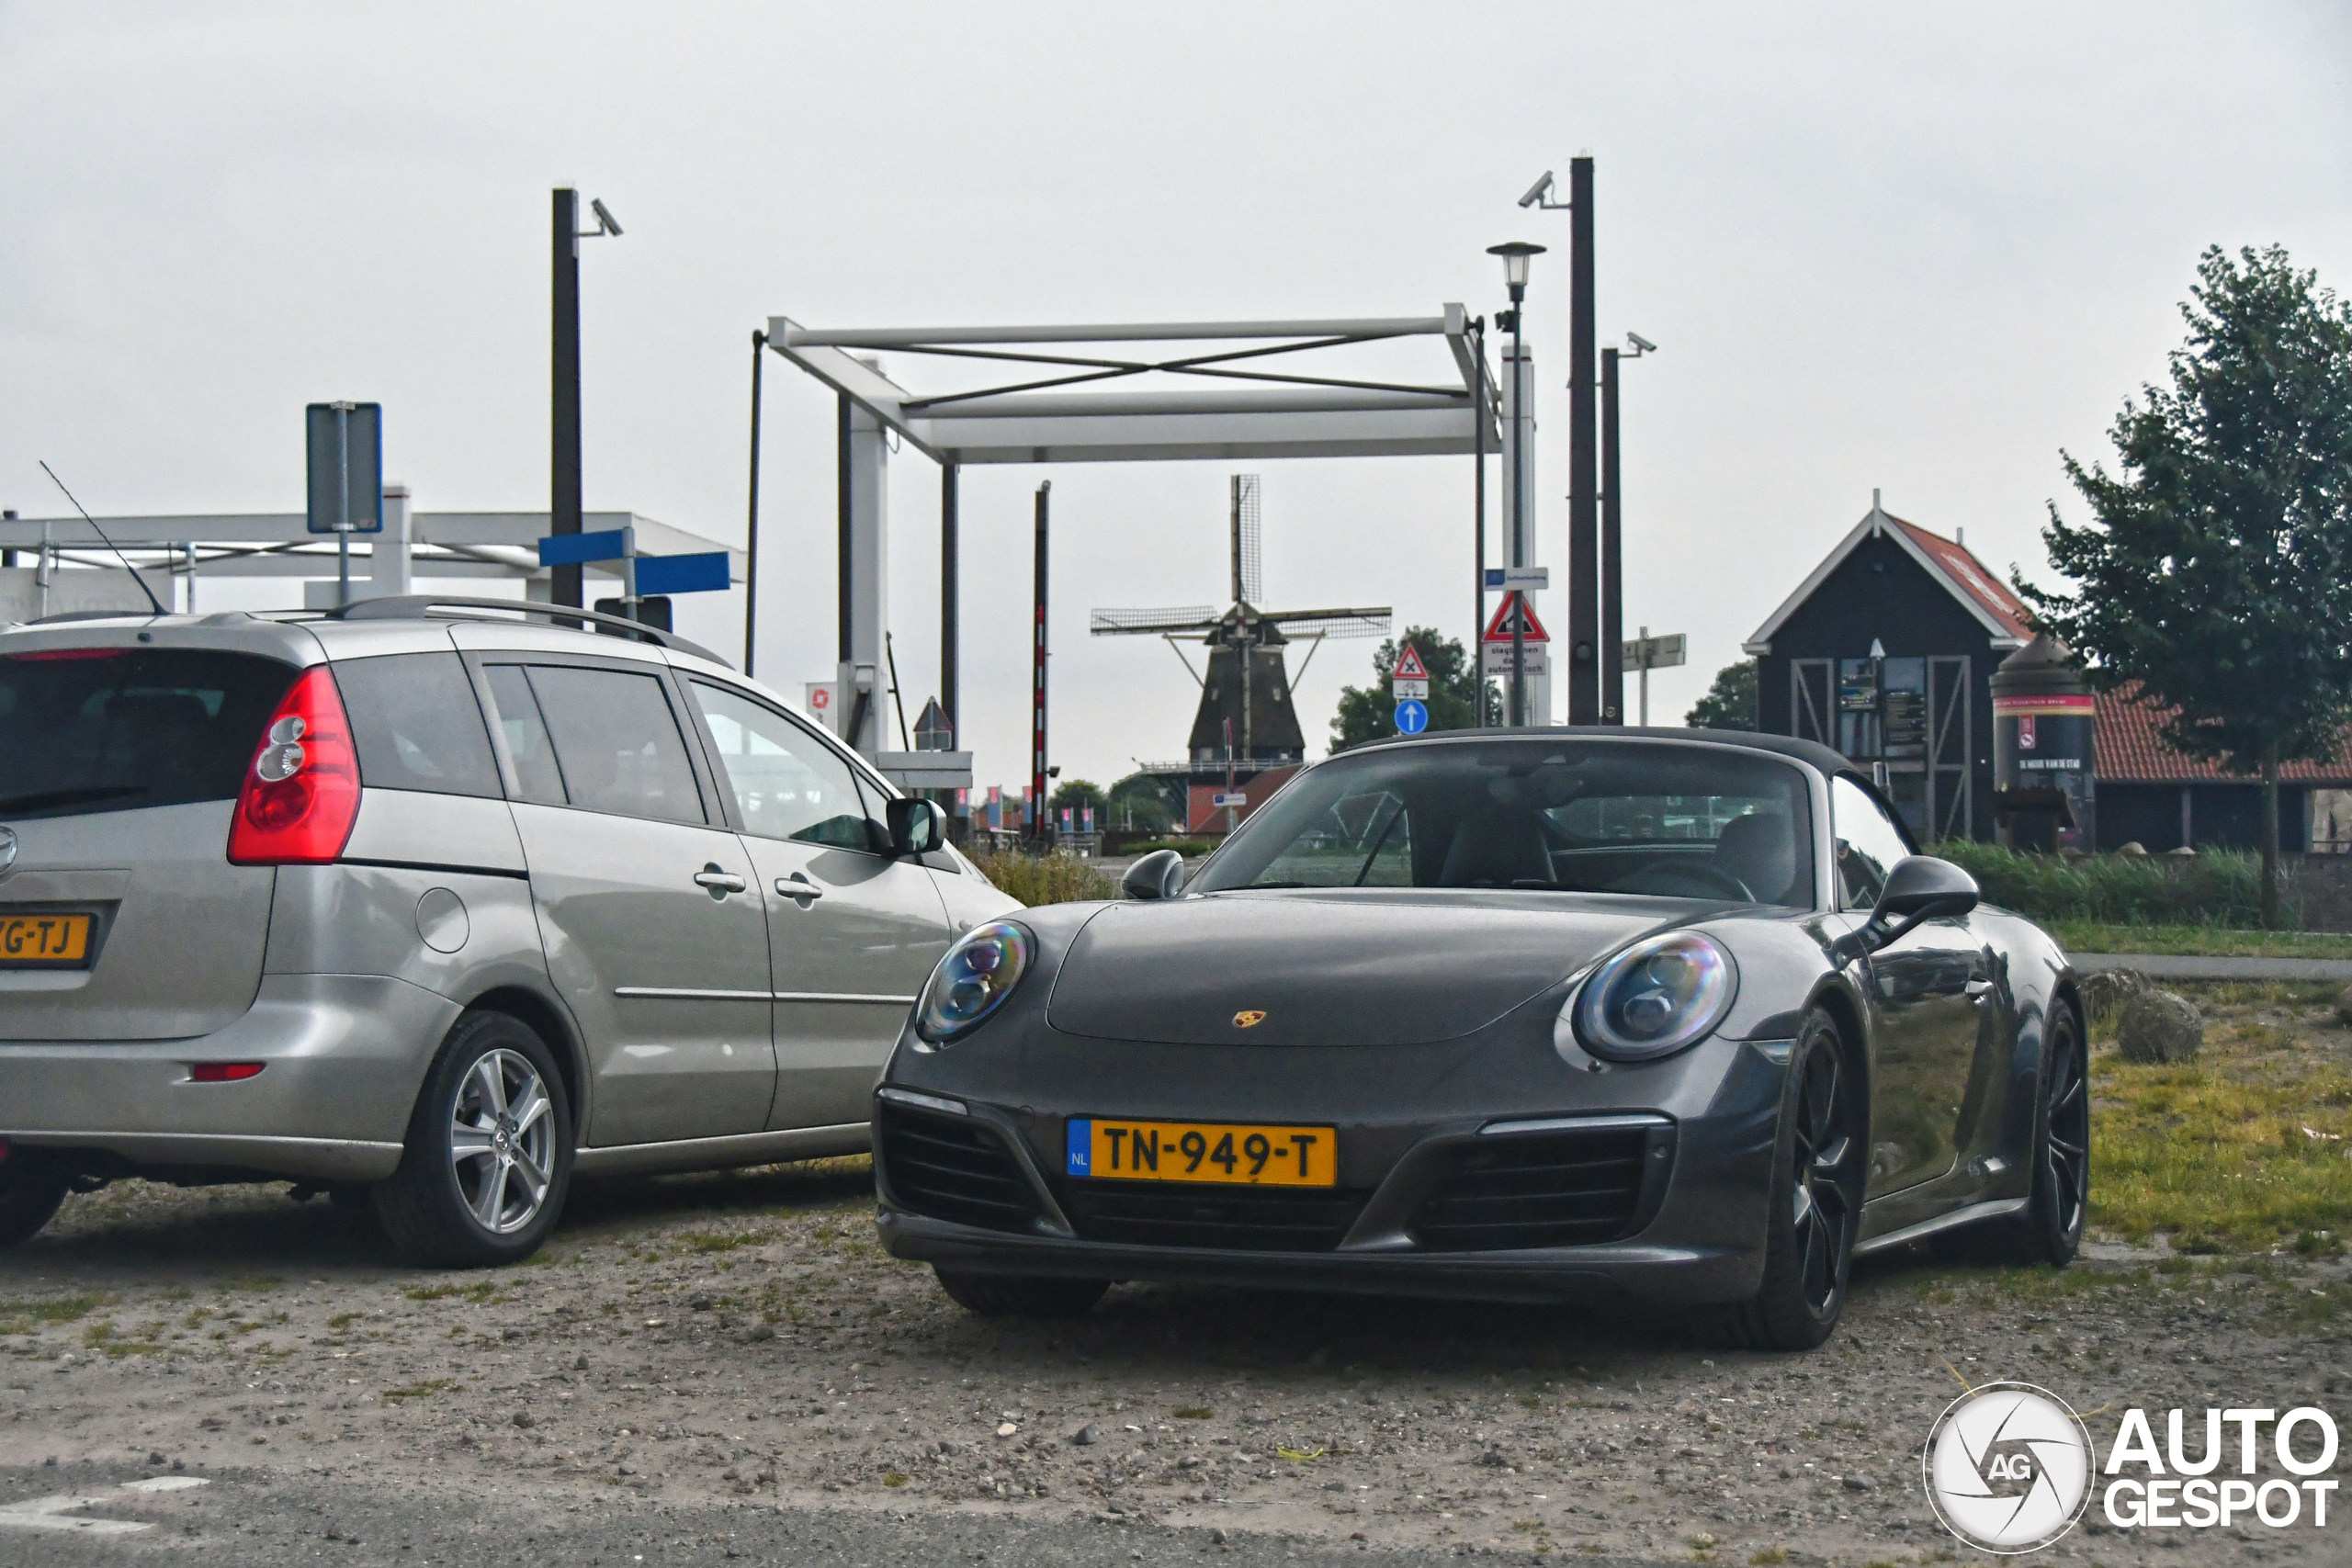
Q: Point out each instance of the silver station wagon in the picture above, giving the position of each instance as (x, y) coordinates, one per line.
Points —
(436, 906)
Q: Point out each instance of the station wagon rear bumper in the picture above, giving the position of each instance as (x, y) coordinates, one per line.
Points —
(342, 1057)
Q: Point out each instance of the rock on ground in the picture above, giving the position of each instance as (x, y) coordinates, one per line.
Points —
(2160, 1026)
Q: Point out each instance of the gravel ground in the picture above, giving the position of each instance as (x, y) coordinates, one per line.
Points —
(701, 1343)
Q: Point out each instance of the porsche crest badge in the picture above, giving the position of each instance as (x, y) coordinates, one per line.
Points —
(1250, 1018)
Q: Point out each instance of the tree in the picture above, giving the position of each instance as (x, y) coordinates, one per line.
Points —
(1730, 702)
(1078, 795)
(1146, 802)
(2217, 568)
(1367, 713)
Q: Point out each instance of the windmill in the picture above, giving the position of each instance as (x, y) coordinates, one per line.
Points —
(1246, 716)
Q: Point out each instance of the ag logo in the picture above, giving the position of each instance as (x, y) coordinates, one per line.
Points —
(1248, 1019)
(2008, 1468)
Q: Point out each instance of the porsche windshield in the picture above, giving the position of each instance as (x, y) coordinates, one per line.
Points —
(1687, 821)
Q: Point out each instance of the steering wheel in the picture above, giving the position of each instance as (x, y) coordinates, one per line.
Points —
(1704, 872)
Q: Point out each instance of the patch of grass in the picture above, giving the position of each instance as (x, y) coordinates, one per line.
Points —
(342, 1320)
(2242, 1149)
(256, 1283)
(892, 1478)
(1045, 879)
(719, 1241)
(103, 1338)
(2208, 942)
(30, 1316)
(1768, 1557)
(1192, 1413)
(424, 1389)
(430, 1293)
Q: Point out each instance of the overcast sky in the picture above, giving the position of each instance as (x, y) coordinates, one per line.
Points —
(1919, 249)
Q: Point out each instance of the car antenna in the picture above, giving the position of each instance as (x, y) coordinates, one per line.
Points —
(110, 544)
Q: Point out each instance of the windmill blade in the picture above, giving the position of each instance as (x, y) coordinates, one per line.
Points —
(1248, 585)
(1333, 623)
(1153, 623)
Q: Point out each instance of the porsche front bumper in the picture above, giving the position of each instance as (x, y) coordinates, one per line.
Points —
(1660, 1202)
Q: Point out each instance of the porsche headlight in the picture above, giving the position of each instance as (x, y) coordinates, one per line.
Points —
(973, 979)
(1655, 997)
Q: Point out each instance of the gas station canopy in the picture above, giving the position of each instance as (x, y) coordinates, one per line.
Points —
(1255, 411)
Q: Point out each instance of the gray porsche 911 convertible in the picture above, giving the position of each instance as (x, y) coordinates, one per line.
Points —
(1667, 1015)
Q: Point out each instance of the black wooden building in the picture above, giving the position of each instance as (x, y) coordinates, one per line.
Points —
(1886, 653)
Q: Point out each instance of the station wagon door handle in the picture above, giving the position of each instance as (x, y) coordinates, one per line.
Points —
(799, 886)
(718, 880)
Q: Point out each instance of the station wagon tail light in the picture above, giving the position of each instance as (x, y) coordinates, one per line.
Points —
(301, 793)
(973, 980)
(224, 1072)
(1655, 997)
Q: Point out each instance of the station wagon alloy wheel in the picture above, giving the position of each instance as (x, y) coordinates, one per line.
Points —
(501, 1141)
(489, 1156)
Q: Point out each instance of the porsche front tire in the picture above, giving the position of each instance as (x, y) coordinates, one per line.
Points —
(1816, 1200)
(1021, 1295)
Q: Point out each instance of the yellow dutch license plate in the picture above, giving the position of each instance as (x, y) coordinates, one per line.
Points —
(28, 941)
(1113, 1148)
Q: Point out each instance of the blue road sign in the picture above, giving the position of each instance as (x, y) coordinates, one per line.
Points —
(570, 549)
(701, 573)
(1412, 717)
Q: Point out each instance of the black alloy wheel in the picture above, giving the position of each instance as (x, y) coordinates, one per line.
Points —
(2051, 1229)
(1814, 1204)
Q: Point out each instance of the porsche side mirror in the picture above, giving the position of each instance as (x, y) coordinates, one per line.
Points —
(1158, 874)
(917, 827)
(1919, 888)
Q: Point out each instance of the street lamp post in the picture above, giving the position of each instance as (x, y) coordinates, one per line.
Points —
(1516, 256)
(564, 490)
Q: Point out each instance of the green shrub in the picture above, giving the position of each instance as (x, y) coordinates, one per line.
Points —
(1045, 879)
(2211, 888)
(1191, 849)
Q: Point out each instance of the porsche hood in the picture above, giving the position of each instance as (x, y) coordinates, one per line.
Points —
(1325, 971)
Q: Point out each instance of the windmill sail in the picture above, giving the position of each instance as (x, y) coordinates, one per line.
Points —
(1248, 585)
(1247, 719)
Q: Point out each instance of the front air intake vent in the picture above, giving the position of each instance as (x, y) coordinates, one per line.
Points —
(1573, 1187)
(1248, 1219)
(952, 1167)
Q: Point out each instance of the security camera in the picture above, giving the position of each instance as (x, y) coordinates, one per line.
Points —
(1537, 191)
(1641, 344)
(605, 219)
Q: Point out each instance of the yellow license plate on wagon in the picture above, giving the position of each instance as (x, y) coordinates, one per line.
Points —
(38, 940)
(1114, 1148)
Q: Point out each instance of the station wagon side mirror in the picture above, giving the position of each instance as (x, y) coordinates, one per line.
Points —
(1919, 888)
(917, 827)
(1158, 874)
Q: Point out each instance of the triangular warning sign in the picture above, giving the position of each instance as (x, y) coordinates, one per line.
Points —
(1515, 603)
(1409, 666)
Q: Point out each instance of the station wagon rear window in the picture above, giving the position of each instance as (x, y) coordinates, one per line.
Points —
(85, 730)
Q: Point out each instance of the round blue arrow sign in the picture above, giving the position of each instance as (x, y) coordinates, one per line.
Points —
(1412, 717)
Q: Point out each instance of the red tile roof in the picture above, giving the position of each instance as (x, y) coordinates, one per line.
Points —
(2131, 750)
(1969, 576)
